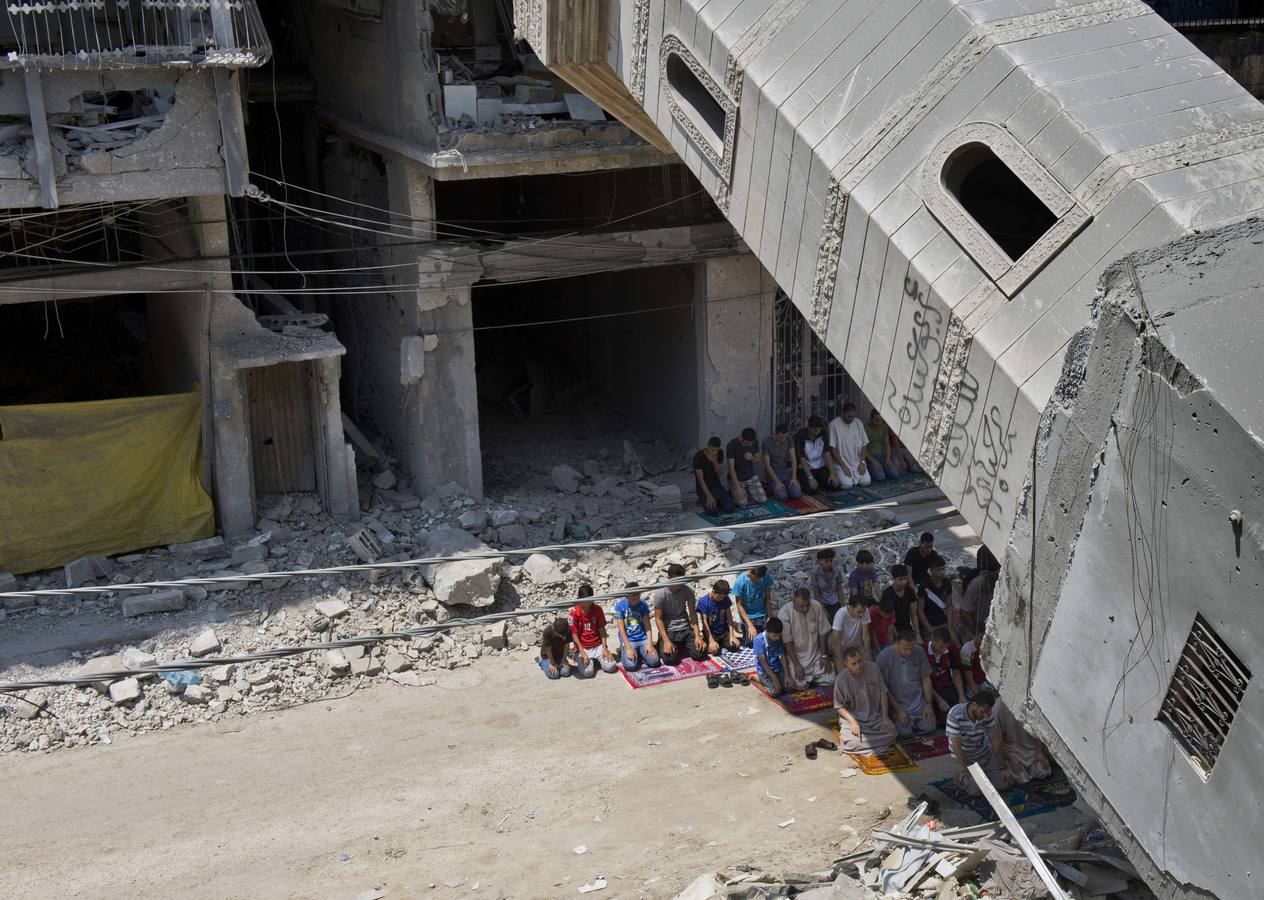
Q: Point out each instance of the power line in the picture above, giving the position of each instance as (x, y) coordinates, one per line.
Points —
(452, 624)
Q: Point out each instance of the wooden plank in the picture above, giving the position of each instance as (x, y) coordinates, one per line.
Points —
(39, 132)
(281, 441)
(1006, 815)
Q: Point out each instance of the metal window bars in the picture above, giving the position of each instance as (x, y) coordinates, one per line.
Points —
(129, 34)
(1210, 13)
(1204, 695)
(807, 379)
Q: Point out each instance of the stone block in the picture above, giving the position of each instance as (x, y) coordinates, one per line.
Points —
(247, 553)
(17, 604)
(566, 479)
(204, 644)
(256, 567)
(502, 517)
(135, 658)
(196, 693)
(473, 520)
(98, 665)
(8, 582)
(208, 548)
(533, 93)
(512, 535)
(396, 662)
(266, 687)
(472, 582)
(195, 593)
(337, 662)
(220, 674)
(667, 496)
(125, 691)
(542, 570)
(87, 570)
(35, 703)
(366, 665)
(495, 636)
(166, 600)
(332, 609)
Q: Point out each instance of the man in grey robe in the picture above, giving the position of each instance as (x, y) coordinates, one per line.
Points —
(806, 636)
(864, 722)
(906, 671)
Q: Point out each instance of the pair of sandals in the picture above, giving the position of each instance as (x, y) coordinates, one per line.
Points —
(822, 744)
(728, 679)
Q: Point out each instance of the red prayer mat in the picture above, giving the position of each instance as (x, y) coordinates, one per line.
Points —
(645, 677)
(800, 703)
(927, 747)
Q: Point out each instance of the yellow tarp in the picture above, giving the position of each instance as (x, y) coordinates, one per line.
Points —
(78, 479)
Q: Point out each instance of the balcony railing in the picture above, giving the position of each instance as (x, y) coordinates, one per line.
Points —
(130, 34)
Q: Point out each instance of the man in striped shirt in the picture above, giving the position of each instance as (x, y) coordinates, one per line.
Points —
(975, 737)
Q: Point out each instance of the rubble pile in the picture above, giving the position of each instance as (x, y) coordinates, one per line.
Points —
(922, 856)
(167, 624)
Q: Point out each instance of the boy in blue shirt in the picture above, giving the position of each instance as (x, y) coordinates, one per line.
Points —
(768, 657)
(753, 592)
(716, 612)
(632, 616)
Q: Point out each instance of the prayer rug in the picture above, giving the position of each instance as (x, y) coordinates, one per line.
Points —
(800, 703)
(1025, 799)
(745, 514)
(646, 677)
(806, 505)
(928, 747)
(741, 661)
(821, 502)
(894, 759)
(847, 498)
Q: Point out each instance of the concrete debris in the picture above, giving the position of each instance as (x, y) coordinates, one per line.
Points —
(542, 570)
(98, 665)
(496, 636)
(337, 661)
(166, 600)
(396, 662)
(87, 570)
(8, 582)
(125, 691)
(472, 582)
(366, 546)
(332, 609)
(385, 480)
(204, 644)
(566, 479)
(209, 548)
(503, 517)
(247, 553)
(196, 693)
(34, 705)
(473, 520)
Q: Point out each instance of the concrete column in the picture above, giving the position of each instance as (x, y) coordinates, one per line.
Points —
(440, 404)
(734, 301)
(335, 462)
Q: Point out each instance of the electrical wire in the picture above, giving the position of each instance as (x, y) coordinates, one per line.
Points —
(485, 554)
(451, 624)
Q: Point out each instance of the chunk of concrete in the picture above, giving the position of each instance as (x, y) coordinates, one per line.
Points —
(566, 479)
(591, 469)
(248, 553)
(542, 570)
(208, 548)
(502, 517)
(667, 496)
(196, 693)
(97, 666)
(87, 570)
(385, 480)
(512, 535)
(337, 662)
(332, 609)
(166, 600)
(125, 691)
(368, 664)
(34, 705)
(135, 658)
(471, 582)
(496, 635)
(8, 582)
(396, 662)
(204, 644)
(473, 520)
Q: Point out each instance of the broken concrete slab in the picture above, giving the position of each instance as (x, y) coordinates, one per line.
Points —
(248, 553)
(337, 661)
(396, 662)
(542, 570)
(473, 520)
(502, 517)
(35, 703)
(98, 665)
(332, 609)
(208, 548)
(368, 664)
(204, 644)
(471, 582)
(512, 535)
(125, 691)
(566, 479)
(196, 693)
(166, 600)
(496, 635)
(87, 570)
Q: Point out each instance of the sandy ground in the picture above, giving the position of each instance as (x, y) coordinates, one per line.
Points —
(489, 778)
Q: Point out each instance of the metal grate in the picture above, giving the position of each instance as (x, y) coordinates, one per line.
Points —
(807, 379)
(128, 34)
(1209, 13)
(1204, 695)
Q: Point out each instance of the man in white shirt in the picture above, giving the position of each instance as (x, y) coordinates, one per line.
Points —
(847, 438)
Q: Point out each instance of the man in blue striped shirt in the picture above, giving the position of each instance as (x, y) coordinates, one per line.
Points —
(975, 737)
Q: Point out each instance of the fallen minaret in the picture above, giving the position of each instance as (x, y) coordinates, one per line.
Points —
(1026, 230)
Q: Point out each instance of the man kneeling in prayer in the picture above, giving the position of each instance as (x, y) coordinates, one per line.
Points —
(807, 634)
(975, 737)
(1027, 757)
(862, 702)
(906, 671)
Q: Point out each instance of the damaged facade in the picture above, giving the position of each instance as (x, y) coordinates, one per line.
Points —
(1002, 218)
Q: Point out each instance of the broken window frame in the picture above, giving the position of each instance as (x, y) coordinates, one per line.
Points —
(1010, 275)
(689, 119)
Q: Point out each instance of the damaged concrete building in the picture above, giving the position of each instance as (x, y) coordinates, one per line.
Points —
(135, 387)
(1030, 231)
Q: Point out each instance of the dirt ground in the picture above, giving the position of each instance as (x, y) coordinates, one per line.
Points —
(487, 780)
